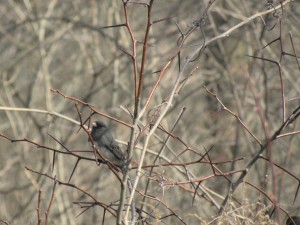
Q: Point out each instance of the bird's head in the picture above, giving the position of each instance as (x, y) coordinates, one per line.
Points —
(98, 124)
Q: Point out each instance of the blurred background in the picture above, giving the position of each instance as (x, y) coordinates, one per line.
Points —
(60, 45)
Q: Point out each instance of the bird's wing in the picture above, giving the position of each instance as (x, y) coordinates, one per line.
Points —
(115, 150)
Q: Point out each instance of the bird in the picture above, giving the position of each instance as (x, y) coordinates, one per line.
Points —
(295, 221)
(107, 146)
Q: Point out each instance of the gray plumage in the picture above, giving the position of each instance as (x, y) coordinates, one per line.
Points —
(107, 145)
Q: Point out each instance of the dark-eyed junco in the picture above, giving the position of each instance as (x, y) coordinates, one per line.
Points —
(295, 221)
(107, 145)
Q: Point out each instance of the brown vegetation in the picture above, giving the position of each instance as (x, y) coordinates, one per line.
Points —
(203, 96)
